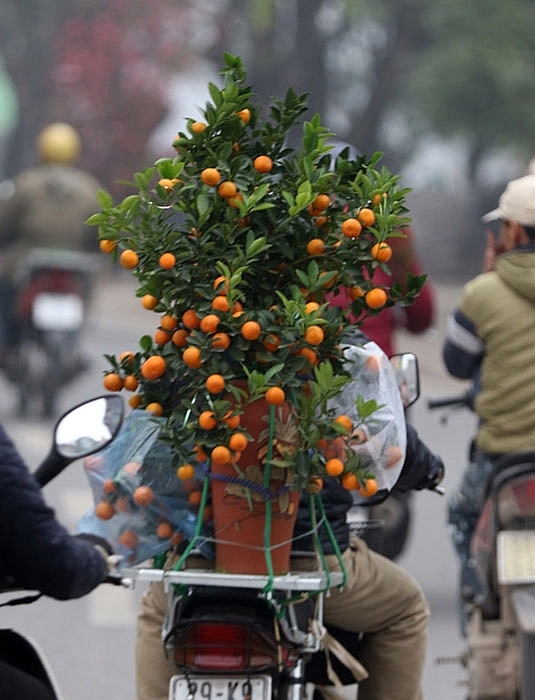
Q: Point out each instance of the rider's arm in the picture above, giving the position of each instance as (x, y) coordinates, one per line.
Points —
(36, 551)
(463, 349)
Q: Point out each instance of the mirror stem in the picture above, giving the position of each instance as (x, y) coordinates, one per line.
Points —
(50, 467)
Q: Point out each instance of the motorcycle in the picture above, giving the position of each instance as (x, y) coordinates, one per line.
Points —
(84, 429)
(51, 301)
(500, 630)
(255, 637)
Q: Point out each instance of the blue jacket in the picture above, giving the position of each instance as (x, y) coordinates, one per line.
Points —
(36, 552)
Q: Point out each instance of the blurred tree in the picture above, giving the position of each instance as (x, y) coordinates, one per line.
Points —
(477, 78)
(384, 74)
(101, 65)
(109, 76)
(27, 30)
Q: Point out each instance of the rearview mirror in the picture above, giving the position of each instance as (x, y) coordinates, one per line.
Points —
(407, 374)
(88, 427)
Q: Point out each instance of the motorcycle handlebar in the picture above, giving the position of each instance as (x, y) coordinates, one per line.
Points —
(460, 401)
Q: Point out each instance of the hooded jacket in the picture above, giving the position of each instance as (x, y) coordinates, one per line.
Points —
(36, 551)
(491, 339)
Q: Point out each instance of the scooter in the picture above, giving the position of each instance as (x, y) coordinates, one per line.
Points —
(81, 431)
(500, 630)
(53, 290)
(254, 637)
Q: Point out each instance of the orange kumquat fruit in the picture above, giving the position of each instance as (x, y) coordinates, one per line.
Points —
(263, 164)
(376, 298)
(221, 454)
(215, 383)
(192, 357)
(207, 420)
(366, 217)
(382, 252)
(351, 228)
(153, 367)
(129, 259)
(334, 466)
(167, 261)
(113, 381)
(143, 495)
(185, 472)
(275, 395)
(210, 176)
(251, 330)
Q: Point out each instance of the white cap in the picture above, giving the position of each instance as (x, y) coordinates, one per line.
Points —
(516, 203)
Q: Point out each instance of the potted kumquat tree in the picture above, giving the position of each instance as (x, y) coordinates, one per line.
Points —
(237, 244)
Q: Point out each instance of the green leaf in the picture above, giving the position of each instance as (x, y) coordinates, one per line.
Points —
(104, 199)
(145, 343)
(203, 204)
(257, 246)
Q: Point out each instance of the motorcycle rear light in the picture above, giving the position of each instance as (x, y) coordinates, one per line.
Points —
(225, 647)
(516, 500)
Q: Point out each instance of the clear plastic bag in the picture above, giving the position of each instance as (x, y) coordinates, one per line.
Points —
(147, 508)
(382, 441)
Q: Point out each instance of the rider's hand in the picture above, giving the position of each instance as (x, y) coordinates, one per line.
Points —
(96, 541)
(493, 248)
(436, 472)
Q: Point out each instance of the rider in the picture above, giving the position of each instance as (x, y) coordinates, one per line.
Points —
(379, 598)
(37, 553)
(44, 206)
(491, 340)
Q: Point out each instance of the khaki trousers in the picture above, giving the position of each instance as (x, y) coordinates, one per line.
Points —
(379, 598)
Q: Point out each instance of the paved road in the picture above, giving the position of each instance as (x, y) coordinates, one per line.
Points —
(90, 642)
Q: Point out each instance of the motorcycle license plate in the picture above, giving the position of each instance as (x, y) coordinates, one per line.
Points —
(229, 688)
(516, 556)
(54, 311)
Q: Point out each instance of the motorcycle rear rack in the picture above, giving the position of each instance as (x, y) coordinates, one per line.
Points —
(312, 581)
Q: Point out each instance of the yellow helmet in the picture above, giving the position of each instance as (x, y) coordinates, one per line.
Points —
(58, 143)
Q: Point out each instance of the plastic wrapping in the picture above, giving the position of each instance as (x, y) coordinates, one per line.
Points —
(382, 441)
(140, 524)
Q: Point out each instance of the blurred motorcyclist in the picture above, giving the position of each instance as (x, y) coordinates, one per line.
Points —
(44, 206)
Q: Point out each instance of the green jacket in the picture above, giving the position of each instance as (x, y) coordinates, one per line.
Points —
(493, 334)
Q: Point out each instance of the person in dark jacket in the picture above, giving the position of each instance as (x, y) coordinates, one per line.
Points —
(37, 553)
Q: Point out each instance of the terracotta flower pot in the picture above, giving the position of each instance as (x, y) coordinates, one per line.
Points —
(254, 522)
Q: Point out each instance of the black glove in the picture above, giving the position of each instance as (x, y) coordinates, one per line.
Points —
(96, 541)
(422, 468)
(436, 472)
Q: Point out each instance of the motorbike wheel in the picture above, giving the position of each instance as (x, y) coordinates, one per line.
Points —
(33, 368)
(40, 377)
(395, 512)
(57, 350)
(527, 646)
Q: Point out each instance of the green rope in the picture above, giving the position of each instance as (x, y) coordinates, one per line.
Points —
(268, 521)
(332, 540)
(312, 500)
(198, 526)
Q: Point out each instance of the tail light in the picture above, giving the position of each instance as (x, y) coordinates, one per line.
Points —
(226, 647)
(516, 499)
